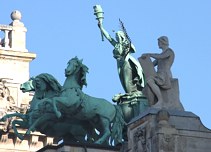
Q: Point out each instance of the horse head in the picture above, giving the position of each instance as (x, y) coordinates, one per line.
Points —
(41, 84)
(47, 85)
(27, 86)
(77, 69)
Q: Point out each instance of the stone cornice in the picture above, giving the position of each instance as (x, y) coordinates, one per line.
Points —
(17, 55)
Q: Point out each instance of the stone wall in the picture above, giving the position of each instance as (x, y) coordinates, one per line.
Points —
(168, 131)
(77, 147)
(10, 143)
(14, 65)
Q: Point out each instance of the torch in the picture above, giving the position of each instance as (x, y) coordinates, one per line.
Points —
(98, 11)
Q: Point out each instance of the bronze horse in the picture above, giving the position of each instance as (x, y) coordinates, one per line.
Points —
(46, 86)
(72, 102)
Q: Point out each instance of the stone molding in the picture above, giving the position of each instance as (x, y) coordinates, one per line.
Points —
(79, 147)
(17, 55)
(32, 143)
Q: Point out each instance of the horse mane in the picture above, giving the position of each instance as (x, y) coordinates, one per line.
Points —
(84, 69)
(50, 81)
(82, 72)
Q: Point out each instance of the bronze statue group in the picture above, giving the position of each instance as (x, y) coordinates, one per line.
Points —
(66, 112)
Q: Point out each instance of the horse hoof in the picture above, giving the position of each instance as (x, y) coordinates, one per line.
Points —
(58, 114)
(3, 119)
(28, 132)
(98, 142)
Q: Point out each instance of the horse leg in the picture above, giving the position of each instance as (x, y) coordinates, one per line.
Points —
(4, 118)
(44, 118)
(91, 135)
(14, 122)
(53, 102)
(31, 128)
(57, 112)
(22, 124)
(22, 116)
(104, 131)
(32, 124)
(62, 100)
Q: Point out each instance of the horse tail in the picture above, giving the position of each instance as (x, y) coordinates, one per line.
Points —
(117, 127)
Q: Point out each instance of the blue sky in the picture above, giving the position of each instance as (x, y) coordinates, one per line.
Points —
(60, 30)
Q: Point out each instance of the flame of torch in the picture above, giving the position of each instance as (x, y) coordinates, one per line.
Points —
(98, 11)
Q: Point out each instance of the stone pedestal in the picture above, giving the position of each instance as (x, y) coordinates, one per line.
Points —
(168, 131)
(155, 130)
(77, 147)
(171, 96)
(10, 143)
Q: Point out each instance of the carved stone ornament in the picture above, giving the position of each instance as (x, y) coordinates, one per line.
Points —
(140, 137)
(7, 104)
(167, 143)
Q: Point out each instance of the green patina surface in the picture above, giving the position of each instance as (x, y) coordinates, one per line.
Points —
(68, 113)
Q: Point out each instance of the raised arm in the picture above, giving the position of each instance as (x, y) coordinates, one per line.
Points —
(106, 34)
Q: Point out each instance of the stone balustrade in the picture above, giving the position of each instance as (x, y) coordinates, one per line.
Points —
(13, 36)
(5, 41)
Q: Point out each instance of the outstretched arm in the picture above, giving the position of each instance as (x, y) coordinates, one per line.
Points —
(106, 34)
(160, 56)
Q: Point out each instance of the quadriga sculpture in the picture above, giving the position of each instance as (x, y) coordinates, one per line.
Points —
(46, 86)
(72, 102)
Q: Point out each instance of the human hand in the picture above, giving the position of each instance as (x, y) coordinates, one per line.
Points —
(121, 61)
(100, 24)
